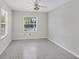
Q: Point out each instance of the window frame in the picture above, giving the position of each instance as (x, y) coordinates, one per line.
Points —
(6, 23)
(36, 24)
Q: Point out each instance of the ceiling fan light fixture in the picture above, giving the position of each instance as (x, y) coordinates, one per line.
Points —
(36, 8)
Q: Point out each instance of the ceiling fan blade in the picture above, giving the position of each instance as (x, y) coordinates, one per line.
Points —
(42, 6)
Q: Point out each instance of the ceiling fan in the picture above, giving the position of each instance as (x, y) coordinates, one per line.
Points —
(37, 5)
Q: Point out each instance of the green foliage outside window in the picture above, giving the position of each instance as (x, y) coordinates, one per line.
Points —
(29, 24)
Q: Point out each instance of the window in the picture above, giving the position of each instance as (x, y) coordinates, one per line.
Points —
(3, 23)
(30, 24)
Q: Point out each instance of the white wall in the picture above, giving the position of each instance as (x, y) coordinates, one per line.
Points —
(64, 26)
(18, 32)
(5, 42)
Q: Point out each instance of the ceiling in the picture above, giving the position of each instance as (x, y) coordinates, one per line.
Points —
(28, 5)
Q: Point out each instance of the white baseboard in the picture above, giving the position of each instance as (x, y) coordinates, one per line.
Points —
(31, 38)
(71, 52)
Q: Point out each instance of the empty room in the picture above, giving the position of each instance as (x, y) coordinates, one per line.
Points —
(39, 29)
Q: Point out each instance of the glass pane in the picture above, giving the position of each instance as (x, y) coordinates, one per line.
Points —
(3, 23)
(2, 27)
(29, 24)
(2, 19)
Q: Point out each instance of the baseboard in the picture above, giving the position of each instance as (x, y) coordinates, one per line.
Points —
(31, 38)
(71, 52)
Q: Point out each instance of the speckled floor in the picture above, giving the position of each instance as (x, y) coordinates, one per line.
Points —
(35, 49)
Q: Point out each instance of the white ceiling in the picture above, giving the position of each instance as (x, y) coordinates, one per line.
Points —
(28, 5)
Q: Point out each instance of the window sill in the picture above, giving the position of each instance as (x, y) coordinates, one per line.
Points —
(3, 37)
